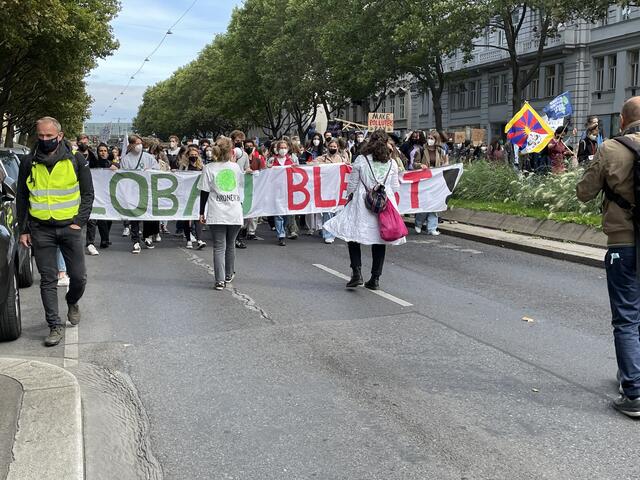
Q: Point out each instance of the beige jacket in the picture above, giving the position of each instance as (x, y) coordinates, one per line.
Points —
(613, 164)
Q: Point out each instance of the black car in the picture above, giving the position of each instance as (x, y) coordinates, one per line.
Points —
(16, 264)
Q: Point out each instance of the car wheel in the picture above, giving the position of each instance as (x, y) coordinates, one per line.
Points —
(25, 271)
(10, 314)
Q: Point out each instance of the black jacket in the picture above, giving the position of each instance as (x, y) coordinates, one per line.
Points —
(84, 179)
(586, 148)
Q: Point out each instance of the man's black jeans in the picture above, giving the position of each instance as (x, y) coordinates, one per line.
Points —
(46, 240)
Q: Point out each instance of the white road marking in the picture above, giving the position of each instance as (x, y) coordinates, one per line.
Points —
(470, 250)
(380, 293)
(71, 351)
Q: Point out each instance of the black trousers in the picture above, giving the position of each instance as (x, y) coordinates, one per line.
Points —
(46, 240)
(378, 252)
(192, 225)
(104, 227)
(148, 229)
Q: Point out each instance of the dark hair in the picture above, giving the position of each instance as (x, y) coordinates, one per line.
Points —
(102, 144)
(560, 130)
(82, 136)
(377, 147)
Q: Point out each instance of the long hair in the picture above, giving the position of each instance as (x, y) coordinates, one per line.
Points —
(225, 145)
(377, 147)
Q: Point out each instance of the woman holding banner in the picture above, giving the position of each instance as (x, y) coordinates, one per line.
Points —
(356, 224)
(220, 185)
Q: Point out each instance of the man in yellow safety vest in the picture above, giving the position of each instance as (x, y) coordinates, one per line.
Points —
(54, 201)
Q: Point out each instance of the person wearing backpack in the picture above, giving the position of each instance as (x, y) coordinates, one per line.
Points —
(615, 170)
(357, 224)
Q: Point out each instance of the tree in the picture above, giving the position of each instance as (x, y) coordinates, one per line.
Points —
(426, 35)
(46, 49)
(508, 17)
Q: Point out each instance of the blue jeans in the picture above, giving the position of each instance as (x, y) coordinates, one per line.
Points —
(326, 216)
(428, 218)
(61, 266)
(624, 295)
(281, 225)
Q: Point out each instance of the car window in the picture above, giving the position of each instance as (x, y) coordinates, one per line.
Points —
(11, 166)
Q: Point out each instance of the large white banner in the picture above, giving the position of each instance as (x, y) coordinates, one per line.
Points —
(154, 195)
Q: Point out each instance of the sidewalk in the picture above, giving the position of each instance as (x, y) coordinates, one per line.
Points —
(40, 421)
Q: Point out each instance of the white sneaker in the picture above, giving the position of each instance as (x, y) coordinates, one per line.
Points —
(189, 244)
(136, 248)
(63, 281)
(201, 245)
(92, 250)
(157, 238)
(329, 240)
(435, 233)
(126, 232)
(418, 229)
(148, 243)
(192, 237)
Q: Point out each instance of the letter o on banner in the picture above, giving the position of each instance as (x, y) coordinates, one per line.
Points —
(143, 198)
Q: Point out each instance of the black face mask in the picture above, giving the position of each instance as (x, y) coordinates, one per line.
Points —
(193, 159)
(83, 147)
(238, 144)
(249, 150)
(48, 146)
(333, 151)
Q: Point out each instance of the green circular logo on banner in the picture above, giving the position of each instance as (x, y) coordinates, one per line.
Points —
(226, 180)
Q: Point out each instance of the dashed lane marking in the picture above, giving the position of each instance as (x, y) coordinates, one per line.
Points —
(380, 293)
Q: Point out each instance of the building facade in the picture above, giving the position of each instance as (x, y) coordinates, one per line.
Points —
(597, 63)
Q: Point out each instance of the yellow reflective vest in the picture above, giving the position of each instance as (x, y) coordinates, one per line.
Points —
(56, 194)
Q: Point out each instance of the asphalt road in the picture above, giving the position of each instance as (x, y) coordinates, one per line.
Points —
(289, 376)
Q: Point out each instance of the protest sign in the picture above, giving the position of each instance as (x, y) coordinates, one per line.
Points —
(460, 137)
(477, 136)
(154, 195)
(380, 121)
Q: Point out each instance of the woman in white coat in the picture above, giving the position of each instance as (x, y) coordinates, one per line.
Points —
(356, 224)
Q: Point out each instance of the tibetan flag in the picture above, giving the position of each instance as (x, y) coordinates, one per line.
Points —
(528, 130)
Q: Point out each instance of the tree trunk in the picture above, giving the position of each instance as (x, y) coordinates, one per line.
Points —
(516, 99)
(8, 141)
(437, 108)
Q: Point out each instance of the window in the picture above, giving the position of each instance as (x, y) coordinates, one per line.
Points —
(599, 67)
(473, 94)
(424, 107)
(626, 12)
(384, 105)
(534, 87)
(494, 90)
(634, 62)
(500, 34)
(504, 92)
(613, 66)
(453, 97)
(401, 114)
(550, 81)
(462, 97)
(560, 70)
(392, 104)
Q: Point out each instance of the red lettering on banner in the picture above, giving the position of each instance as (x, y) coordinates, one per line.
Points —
(415, 177)
(292, 188)
(344, 171)
(317, 191)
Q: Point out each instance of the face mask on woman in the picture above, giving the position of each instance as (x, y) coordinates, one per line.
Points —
(316, 142)
(193, 159)
(593, 137)
(283, 152)
(333, 151)
(138, 148)
(431, 142)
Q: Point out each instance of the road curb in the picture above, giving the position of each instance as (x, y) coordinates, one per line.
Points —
(44, 449)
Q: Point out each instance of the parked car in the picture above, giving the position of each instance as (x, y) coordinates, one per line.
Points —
(20, 150)
(16, 263)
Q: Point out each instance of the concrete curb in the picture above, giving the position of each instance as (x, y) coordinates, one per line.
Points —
(549, 229)
(42, 449)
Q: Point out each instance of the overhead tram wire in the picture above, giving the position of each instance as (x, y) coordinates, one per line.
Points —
(148, 57)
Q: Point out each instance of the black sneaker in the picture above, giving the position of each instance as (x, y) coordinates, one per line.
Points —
(251, 236)
(56, 334)
(631, 408)
(229, 278)
(282, 242)
(240, 244)
(219, 286)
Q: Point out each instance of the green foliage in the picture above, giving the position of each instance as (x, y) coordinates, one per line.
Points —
(47, 48)
(553, 195)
